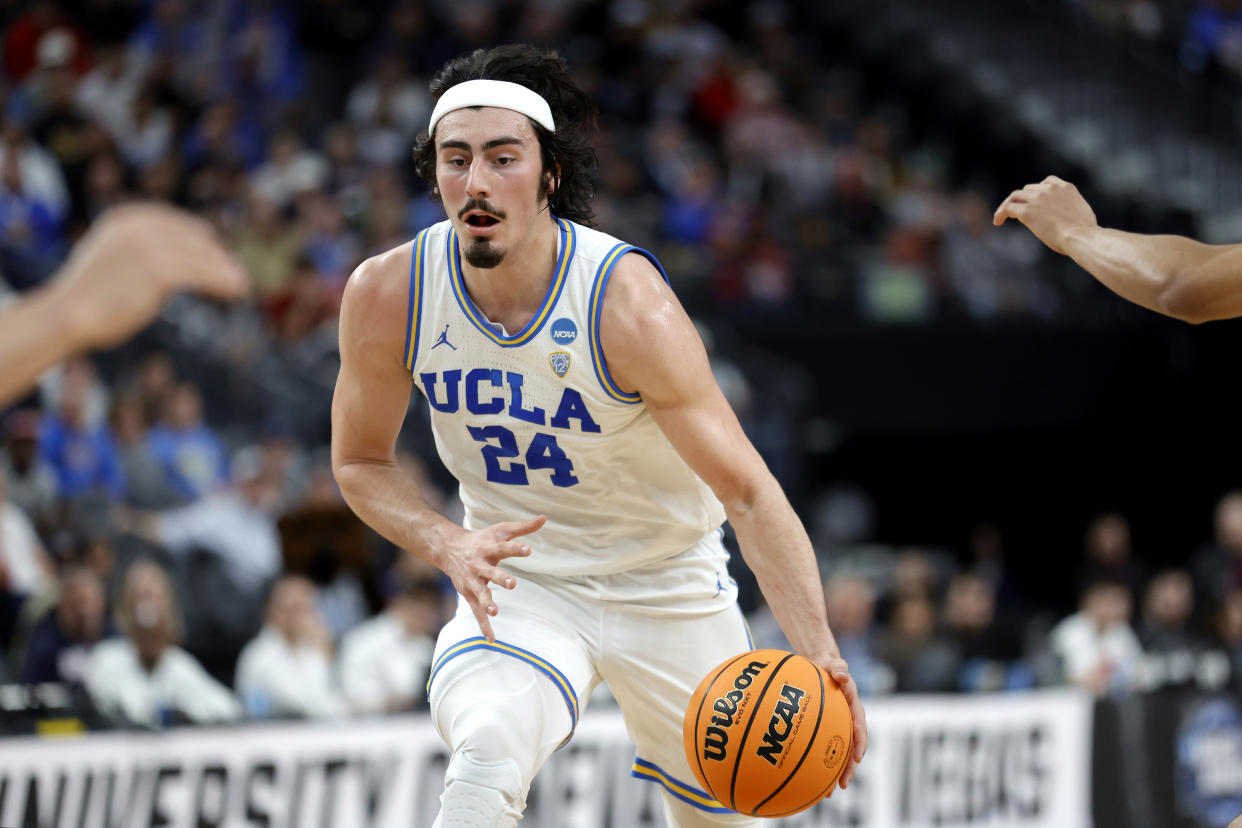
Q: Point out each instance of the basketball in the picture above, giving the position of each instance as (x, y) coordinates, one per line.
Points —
(767, 733)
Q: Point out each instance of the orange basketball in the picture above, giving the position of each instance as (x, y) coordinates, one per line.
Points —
(767, 733)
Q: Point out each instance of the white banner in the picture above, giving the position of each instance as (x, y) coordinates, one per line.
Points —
(1019, 760)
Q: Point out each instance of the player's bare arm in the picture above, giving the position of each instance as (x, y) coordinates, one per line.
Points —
(1172, 275)
(653, 349)
(368, 408)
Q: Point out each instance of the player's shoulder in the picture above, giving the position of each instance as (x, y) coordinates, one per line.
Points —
(381, 283)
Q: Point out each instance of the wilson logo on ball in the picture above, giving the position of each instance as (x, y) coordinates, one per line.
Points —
(716, 737)
(781, 723)
(767, 733)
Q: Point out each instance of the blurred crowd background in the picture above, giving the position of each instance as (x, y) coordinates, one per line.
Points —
(817, 178)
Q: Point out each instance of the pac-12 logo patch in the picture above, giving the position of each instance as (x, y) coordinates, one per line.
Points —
(560, 363)
(564, 331)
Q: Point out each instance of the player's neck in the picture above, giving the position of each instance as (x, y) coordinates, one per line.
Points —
(512, 292)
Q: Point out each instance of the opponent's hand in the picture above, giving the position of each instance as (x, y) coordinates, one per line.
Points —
(471, 561)
(840, 672)
(132, 260)
(1049, 209)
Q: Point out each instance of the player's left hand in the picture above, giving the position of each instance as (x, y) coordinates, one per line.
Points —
(1051, 210)
(840, 672)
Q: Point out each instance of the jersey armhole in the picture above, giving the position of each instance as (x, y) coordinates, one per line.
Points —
(598, 289)
(415, 311)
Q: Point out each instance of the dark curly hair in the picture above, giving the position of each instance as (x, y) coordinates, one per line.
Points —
(566, 150)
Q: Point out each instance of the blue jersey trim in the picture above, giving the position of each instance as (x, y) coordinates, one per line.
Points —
(597, 306)
(569, 243)
(650, 771)
(480, 643)
(415, 312)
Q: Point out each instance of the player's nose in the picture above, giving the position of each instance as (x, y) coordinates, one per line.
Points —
(477, 183)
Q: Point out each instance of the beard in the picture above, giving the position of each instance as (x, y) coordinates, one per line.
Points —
(484, 255)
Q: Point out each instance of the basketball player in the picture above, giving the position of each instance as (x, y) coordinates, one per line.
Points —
(573, 400)
(1172, 275)
(114, 281)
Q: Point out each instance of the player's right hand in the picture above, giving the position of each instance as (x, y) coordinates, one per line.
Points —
(1050, 209)
(472, 560)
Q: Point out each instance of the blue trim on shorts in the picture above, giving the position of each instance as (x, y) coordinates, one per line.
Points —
(480, 643)
(702, 800)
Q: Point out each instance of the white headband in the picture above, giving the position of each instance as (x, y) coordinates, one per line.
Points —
(501, 94)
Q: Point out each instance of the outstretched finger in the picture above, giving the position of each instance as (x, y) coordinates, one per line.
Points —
(512, 550)
(501, 578)
(481, 611)
(516, 528)
(1010, 209)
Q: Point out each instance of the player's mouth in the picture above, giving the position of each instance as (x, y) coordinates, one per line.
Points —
(481, 224)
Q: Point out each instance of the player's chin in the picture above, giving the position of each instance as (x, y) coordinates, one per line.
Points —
(484, 254)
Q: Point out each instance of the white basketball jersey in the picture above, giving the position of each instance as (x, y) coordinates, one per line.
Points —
(531, 423)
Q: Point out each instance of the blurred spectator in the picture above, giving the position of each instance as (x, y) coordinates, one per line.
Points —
(32, 482)
(268, 247)
(25, 571)
(389, 96)
(1213, 41)
(329, 243)
(83, 453)
(988, 640)
(31, 173)
(1217, 567)
(347, 172)
(172, 34)
(144, 678)
(1228, 628)
(896, 284)
(105, 185)
(1175, 653)
(236, 525)
(146, 485)
(153, 383)
(924, 660)
(287, 670)
(851, 614)
(194, 460)
(33, 202)
(1097, 648)
(385, 662)
(42, 28)
(62, 640)
(1107, 555)
(107, 90)
(263, 67)
(289, 171)
(223, 138)
(145, 131)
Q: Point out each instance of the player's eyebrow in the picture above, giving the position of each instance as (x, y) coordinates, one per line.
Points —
(492, 144)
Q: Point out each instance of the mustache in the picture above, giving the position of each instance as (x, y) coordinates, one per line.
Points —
(482, 205)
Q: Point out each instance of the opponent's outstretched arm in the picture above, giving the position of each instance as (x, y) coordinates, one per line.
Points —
(368, 408)
(117, 277)
(1172, 275)
(653, 349)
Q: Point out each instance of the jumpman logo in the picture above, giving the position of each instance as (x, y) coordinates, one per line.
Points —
(719, 586)
(443, 340)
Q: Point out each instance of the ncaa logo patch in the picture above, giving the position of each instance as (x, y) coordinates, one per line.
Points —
(564, 331)
(559, 360)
